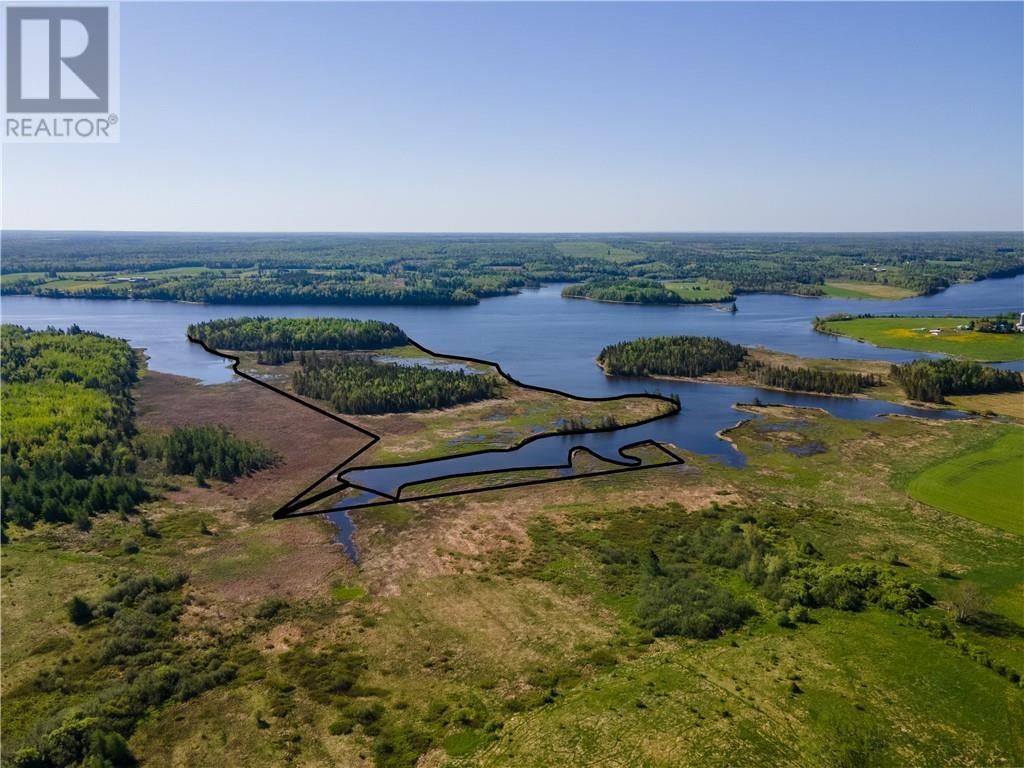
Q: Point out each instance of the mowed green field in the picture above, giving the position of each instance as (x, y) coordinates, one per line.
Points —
(913, 333)
(986, 485)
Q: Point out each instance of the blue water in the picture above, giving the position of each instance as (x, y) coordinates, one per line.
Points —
(542, 339)
(537, 336)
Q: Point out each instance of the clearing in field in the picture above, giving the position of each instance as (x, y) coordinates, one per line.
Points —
(700, 291)
(915, 333)
(854, 289)
(597, 250)
(986, 485)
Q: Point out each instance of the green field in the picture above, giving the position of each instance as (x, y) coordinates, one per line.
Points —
(986, 485)
(913, 333)
(535, 626)
(597, 250)
(702, 290)
(853, 289)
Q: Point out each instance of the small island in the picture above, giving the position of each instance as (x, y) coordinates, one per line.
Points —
(644, 291)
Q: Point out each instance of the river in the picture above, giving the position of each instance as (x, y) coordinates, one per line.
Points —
(542, 339)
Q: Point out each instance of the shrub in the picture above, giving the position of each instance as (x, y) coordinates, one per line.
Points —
(79, 611)
(270, 607)
(690, 606)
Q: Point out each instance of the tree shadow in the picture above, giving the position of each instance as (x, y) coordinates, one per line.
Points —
(997, 625)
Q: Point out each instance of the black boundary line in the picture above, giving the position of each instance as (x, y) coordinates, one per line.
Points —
(294, 507)
(674, 460)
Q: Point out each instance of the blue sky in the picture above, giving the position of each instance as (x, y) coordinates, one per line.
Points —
(548, 117)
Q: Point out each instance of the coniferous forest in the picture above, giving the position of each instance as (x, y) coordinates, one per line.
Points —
(274, 356)
(671, 356)
(67, 425)
(287, 333)
(212, 451)
(360, 386)
(632, 291)
(808, 379)
(931, 380)
(701, 355)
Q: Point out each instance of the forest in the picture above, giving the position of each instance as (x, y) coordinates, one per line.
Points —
(630, 291)
(67, 425)
(274, 356)
(809, 379)
(931, 380)
(286, 333)
(461, 269)
(360, 386)
(671, 356)
(212, 451)
(701, 355)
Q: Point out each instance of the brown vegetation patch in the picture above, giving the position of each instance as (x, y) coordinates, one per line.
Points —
(308, 443)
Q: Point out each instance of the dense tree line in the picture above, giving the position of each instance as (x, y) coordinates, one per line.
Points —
(274, 356)
(810, 379)
(931, 380)
(316, 289)
(700, 355)
(459, 269)
(212, 451)
(671, 356)
(358, 385)
(67, 426)
(631, 291)
(288, 333)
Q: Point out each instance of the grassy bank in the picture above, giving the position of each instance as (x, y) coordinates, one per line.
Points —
(914, 333)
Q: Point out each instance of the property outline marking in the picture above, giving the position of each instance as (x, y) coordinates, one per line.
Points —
(297, 505)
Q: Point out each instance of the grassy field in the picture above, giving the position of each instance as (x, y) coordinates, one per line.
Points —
(503, 628)
(986, 485)
(702, 290)
(913, 333)
(1009, 404)
(850, 289)
(596, 250)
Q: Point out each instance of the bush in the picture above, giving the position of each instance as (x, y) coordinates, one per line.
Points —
(148, 529)
(341, 726)
(690, 606)
(81, 519)
(270, 607)
(79, 611)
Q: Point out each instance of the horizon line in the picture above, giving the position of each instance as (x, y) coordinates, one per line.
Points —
(498, 232)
